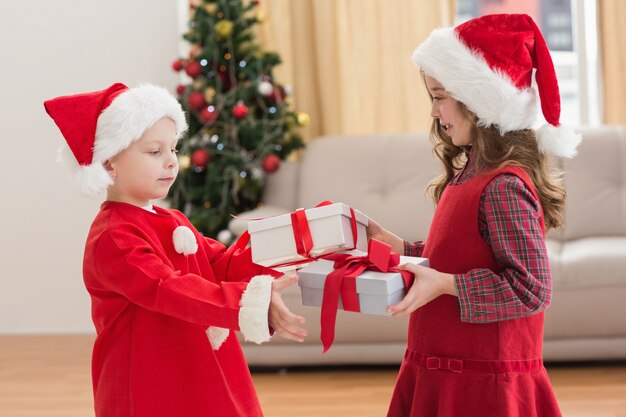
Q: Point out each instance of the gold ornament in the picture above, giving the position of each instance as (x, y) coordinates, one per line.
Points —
(198, 84)
(224, 28)
(303, 119)
(209, 93)
(184, 162)
(245, 47)
(210, 8)
(207, 204)
(227, 56)
(261, 16)
(194, 50)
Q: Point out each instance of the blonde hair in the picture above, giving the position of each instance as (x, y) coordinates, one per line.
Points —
(495, 150)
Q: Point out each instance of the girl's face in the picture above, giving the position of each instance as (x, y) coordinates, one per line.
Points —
(147, 169)
(449, 113)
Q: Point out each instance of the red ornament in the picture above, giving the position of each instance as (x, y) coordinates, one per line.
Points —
(278, 94)
(180, 89)
(200, 157)
(270, 163)
(240, 110)
(193, 69)
(177, 65)
(196, 101)
(208, 114)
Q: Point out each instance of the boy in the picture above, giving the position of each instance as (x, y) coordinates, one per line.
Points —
(164, 298)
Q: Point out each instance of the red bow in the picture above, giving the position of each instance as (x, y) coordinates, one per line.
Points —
(342, 282)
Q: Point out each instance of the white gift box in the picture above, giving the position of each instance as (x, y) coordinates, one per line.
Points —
(376, 290)
(273, 243)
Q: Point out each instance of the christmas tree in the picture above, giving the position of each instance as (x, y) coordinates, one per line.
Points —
(240, 126)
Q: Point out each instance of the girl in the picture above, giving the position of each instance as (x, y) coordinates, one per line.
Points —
(476, 327)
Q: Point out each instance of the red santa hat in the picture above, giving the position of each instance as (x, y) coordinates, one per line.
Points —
(487, 64)
(100, 124)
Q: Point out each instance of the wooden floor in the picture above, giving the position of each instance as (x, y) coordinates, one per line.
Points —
(50, 376)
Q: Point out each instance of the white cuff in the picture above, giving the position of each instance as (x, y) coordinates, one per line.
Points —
(253, 314)
(217, 336)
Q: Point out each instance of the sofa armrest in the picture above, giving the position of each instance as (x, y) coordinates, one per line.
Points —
(240, 224)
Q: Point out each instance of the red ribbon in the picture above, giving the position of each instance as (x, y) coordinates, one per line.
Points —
(342, 283)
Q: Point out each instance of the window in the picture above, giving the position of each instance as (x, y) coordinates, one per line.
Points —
(570, 30)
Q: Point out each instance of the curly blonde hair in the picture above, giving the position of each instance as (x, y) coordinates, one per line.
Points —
(495, 150)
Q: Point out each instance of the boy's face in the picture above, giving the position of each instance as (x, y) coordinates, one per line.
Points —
(147, 169)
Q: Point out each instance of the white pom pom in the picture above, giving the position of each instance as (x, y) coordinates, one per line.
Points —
(225, 236)
(559, 141)
(184, 241)
(92, 180)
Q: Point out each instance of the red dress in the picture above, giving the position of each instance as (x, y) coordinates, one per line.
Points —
(453, 368)
(151, 307)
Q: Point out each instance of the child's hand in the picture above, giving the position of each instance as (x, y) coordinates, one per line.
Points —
(375, 231)
(283, 321)
(428, 285)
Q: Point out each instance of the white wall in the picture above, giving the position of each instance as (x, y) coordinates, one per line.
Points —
(51, 48)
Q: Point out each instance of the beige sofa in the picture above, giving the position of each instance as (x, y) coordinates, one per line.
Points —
(385, 176)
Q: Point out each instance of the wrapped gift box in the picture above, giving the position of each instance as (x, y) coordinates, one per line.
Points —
(376, 290)
(273, 242)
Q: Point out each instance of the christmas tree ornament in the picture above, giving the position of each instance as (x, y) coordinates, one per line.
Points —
(184, 162)
(224, 28)
(277, 94)
(240, 110)
(265, 88)
(270, 163)
(193, 69)
(198, 84)
(303, 119)
(177, 65)
(209, 94)
(225, 236)
(180, 89)
(210, 8)
(245, 47)
(261, 16)
(200, 157)
(195, 100)
(194, 50)
(208, 114)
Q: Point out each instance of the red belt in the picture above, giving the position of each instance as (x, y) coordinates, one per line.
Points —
(432, 362)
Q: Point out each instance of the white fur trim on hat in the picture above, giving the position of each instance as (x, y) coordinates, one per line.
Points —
(217, 336)
(560, 141)
(132, 113)
(184, 241)
(253, 314)
(467, 77)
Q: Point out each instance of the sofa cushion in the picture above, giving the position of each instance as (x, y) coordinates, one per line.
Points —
(595, 182)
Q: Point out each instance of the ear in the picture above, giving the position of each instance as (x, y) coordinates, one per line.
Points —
(108, 166)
